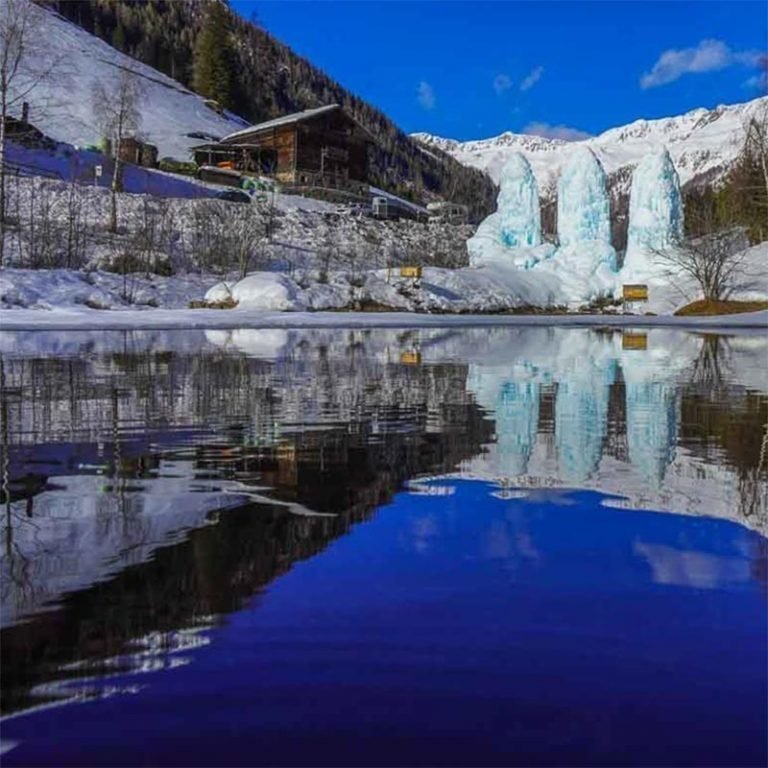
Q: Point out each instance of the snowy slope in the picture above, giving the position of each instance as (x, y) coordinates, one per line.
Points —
(61, 105)
(700, 141)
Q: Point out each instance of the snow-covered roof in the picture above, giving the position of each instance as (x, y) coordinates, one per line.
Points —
(296, 117)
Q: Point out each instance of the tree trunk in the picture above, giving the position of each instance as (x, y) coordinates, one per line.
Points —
(115, 186)
(3, 110)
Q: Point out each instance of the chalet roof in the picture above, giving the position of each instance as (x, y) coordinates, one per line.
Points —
(295, 117)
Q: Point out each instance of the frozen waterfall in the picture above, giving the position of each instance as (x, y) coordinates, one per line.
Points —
(512, 235)
(655, 214)
(583, 210)
(584, 215)
(518, 204)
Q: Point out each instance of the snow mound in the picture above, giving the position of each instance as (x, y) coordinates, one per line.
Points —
(267, 291)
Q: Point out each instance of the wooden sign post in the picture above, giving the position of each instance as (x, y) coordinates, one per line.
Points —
(634, 292)
(413, 272)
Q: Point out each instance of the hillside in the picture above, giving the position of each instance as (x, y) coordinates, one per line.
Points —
(271, 80)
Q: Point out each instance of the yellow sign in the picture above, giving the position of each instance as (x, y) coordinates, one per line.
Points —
(635, 292)
(414, 272)
(634, 341)
(410, 358)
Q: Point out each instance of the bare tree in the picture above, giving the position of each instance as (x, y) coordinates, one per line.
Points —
(22, 69)
(75, 235)
(118, 113)
(715, 262)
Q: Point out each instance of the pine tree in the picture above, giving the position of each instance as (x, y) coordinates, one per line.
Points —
(214, 58)
(118, 37)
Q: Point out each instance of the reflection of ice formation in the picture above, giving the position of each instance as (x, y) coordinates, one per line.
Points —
(581, 417)
(517, 414)
(581, 370)
(655, 214)
(651, 427)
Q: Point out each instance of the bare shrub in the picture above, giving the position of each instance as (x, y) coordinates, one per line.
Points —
(152, 239)
(715, 262)
(225, 236)
(38, 233)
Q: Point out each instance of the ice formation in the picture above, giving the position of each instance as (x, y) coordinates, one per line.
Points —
(583, 214)
(655, 214)
(511, 235)
(518, 204)
(585, 263)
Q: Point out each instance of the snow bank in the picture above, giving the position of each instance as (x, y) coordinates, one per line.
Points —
(60, 289)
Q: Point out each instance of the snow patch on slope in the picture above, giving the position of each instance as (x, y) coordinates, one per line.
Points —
(61, 105)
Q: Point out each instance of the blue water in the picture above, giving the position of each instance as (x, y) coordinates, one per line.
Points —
(490, 546)
(461, 628)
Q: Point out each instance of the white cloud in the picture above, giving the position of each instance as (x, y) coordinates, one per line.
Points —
(707, 56)
(531, 79)
(501, 83)
(563, 132)
(426, 95)
(759, 82)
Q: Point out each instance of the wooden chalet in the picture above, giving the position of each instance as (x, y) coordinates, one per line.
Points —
(323, 148)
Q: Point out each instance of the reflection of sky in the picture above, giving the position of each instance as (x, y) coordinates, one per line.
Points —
(548, 614)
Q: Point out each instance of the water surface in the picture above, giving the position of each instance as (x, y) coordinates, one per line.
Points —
(439, 547)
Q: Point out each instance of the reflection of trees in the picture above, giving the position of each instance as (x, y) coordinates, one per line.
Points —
(736, 424)
(707, 369)
(362, 443)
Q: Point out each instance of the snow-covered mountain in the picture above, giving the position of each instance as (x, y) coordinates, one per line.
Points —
(702, 143)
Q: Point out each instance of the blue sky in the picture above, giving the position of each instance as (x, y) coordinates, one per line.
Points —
(474, 69)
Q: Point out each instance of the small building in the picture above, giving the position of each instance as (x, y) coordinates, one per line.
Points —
(323, 148)
(137, 152)
(388, 206)
(21, 131)
(453, 213)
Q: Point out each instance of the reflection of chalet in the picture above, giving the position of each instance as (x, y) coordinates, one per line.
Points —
(323, 148)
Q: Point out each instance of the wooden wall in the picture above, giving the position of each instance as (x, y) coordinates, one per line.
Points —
(332, 145)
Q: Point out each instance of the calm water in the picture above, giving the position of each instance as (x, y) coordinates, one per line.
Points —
(429, 547)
